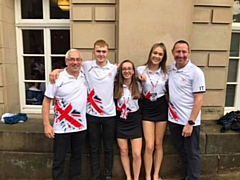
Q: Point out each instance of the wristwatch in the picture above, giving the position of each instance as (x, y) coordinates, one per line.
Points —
(191, 122)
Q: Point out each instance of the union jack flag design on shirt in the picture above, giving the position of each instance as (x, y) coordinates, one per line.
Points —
(147, 95)
(67, 116)
(123, 109)
(94, 103)
(172, 111)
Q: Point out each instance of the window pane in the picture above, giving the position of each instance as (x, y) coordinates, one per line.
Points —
(34, 68)
(58, 63)
(56, 12)
(234, 49)
(31, 9)
(60, 41)
(230, 95)
(232, 70)
(33, 42)
(236, 11)
(34, 93)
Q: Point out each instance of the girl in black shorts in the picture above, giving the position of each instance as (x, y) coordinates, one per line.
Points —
(129, 127)
(154, 108)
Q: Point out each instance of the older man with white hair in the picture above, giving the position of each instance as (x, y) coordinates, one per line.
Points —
(70, 96)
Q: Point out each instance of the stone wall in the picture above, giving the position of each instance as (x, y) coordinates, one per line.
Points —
(210, 40)
(9, 95)
(92, 20)
(132, 27)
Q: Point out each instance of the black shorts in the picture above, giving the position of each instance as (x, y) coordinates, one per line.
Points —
(129, 128)
(155, 110)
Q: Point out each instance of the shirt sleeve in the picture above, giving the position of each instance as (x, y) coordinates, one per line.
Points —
(198, 84)
(140, 87)
(50, 90)
(139, 70)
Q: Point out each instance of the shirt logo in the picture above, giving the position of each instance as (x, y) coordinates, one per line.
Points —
(201, 88)
(109, 74)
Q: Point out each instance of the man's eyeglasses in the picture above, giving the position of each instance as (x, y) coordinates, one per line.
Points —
(127, 69)
(74, 59)
(99, 51)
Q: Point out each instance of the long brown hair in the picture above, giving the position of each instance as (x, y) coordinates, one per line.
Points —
(162, 64)
(118, 86)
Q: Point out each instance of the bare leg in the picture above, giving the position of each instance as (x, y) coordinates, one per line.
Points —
(136, 153)
(149, 131)
(123, 145)
(158, 153)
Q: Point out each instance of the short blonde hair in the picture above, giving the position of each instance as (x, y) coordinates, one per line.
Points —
(100, 43)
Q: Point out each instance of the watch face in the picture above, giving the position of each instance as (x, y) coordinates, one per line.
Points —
(191, 122)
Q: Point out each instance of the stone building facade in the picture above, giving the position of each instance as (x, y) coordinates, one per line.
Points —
(131, 28)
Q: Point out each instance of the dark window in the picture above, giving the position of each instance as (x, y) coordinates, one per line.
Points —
(34, 68)
(31, 9)
(58, 63)
(59, 9)
(60, 41)
(33, 42)
(230, 95)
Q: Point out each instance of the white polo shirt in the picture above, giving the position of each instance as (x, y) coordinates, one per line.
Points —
(126, 104)
(70, 102)
(154, 86)
(183, 84)
(100, 88)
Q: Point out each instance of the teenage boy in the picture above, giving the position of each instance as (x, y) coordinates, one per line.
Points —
(100, 74)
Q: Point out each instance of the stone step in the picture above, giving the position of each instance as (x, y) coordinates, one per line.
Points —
(25, 153)
(23, 137)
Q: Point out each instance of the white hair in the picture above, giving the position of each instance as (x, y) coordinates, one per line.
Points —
(72, 50)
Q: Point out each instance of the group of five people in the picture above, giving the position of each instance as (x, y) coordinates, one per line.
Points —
(109, 95)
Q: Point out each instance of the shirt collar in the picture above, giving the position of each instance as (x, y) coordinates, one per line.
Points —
(107, 66)
(173, 67)
(159, 71)
(81, 74)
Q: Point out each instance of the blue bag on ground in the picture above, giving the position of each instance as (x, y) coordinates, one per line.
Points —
(231, 121)
(8, 118)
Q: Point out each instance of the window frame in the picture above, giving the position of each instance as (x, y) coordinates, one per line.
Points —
(236, 106)
(46, 24)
